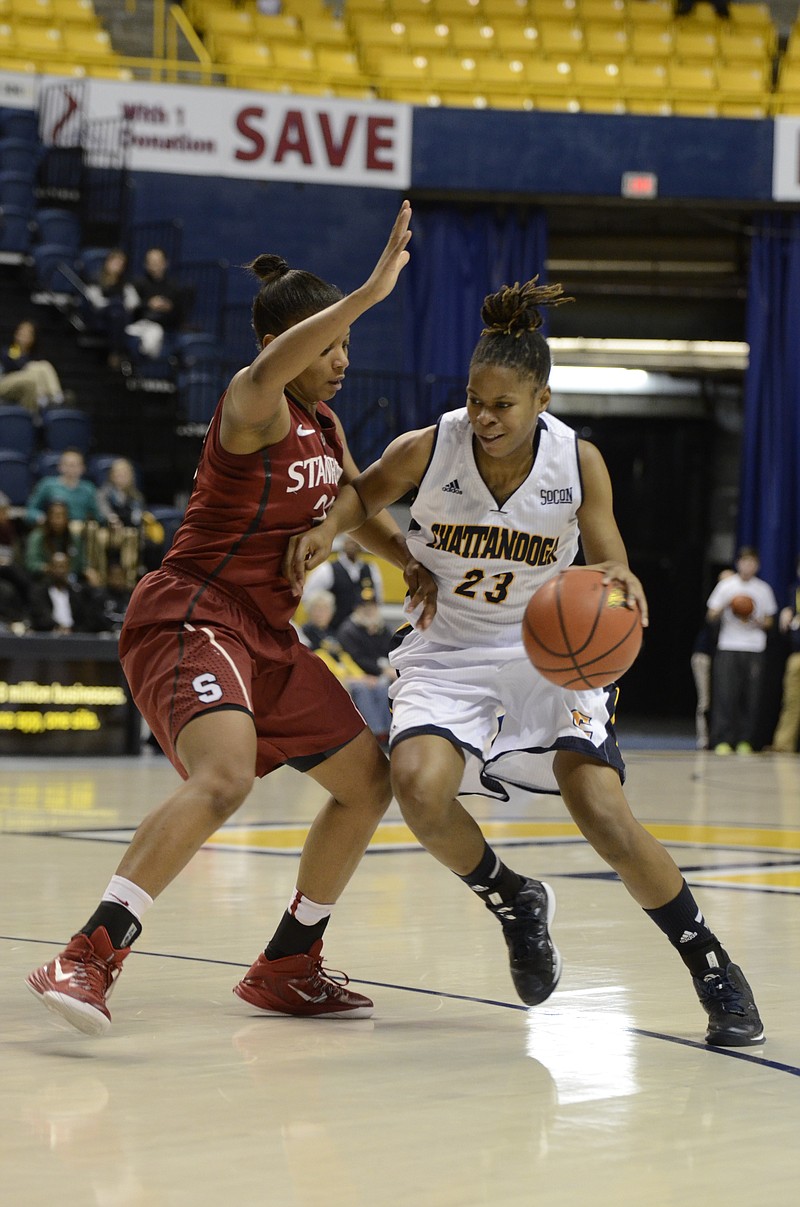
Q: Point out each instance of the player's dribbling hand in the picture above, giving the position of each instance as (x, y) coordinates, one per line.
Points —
(422, 590)
(393, 259)
(304, 553)
(617, 572)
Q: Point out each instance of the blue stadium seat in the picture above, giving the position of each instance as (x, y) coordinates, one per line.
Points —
(199, 394)
(61, 227)
(16, 479)
(16, 430)
(48, 259)
(16, 188)
(19, 123)
(45, 463)
(65, 427)
(90, 261)
(15, 230)
(19, 155)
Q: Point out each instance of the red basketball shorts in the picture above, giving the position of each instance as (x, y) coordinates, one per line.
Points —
(188, 649)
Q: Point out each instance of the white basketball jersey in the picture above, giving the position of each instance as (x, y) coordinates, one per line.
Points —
(488, 558)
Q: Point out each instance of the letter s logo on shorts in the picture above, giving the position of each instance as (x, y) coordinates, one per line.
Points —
(207, 688)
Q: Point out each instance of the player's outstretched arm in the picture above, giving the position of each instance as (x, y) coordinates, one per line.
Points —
(603, 545)
(255, 394)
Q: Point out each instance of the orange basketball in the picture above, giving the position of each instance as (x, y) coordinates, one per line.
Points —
(578, 632)
(742, 606)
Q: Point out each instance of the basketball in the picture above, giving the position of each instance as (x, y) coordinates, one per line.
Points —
(578, 632)
(742, 606)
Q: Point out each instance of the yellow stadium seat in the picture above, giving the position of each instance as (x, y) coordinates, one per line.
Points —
(696, 45)
(84, 43)
(643, 81)
(418, 9)
(690, 83)
(5, 10)
(38, 41)
(513, 40)
(744, 46)
(692, 108)
(605, 41)
(464, 10)
(339, 67)
(753, 16)
(609, 12)
(514, 100)
(553, 10)
(412, 96)
(648, 106)
(596, 79)
(7, 40)
(403, 69)
(244, 52)
(748, 109)
(372, 8)
(294, 64)
(600, 104)
(502, 76)
(101, 71)
(21, 65)
(33, 10)
(355, 92)
(464, 100)
(59, 67)
(650, 12)
(378, 33)
(326, 31)
(546, 77)
(742, 83)
(509, 9)
(702, 15)
(228, 22)
(568, 103)
(424, 35)
(75, 12)
(451, 72)
(472, 39)
(651, 42)
(278, 27)
(560, 38)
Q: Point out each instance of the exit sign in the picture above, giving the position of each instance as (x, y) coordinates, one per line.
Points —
(643, 185)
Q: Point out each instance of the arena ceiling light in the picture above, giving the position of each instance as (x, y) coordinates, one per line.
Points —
(668, 355)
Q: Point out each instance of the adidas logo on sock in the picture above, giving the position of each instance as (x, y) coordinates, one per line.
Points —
(687, 936)
(453, 488)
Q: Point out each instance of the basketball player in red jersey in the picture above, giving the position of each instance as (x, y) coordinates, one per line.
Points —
(218, 672)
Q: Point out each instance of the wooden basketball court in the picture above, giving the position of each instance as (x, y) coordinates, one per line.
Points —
(453, 1095)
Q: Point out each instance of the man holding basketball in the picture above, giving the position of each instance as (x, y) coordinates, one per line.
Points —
(502, 492)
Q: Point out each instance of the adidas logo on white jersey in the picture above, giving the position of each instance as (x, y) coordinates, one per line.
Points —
(453, 488)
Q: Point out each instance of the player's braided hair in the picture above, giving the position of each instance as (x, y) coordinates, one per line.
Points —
(511, 337)
(287, 295)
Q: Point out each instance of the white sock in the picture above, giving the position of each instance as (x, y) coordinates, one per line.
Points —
(307, 911)
(124, 892)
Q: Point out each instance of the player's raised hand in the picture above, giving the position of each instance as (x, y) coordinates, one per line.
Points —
(393, 259)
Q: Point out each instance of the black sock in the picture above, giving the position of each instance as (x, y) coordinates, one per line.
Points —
(492, 880)
(683, 923)
(292, 938)
(122, 926)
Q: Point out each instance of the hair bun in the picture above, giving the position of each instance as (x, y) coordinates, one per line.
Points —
(515, 309)
(268, 267)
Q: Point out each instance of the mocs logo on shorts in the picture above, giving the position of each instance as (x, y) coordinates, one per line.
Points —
(582, 722)
(207, 688)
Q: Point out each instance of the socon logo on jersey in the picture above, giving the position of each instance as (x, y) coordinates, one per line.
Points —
(313, 471)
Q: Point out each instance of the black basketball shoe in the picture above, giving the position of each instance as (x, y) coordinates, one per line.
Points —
(533, 956)
(726, 997)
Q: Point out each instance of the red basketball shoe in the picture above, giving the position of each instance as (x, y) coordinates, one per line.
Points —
(78, 981)
(299, 985)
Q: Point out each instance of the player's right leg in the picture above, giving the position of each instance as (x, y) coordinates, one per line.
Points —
(426, 775)
(218, 751)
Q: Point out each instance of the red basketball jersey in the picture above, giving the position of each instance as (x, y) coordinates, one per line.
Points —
(244, 507)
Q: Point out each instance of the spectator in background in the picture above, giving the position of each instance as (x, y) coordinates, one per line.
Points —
(367, 638)
(113, 301)
(115, 596)
(54, 535)
(369, 694)
(787, 731)
(161, 304)
(67, 486)
(26, 380)
(123, 507)
(14, 582)
(705, 644)
(739, 659)
(59, 605)
(347, 577)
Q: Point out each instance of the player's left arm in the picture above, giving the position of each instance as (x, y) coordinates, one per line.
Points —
(603, 546)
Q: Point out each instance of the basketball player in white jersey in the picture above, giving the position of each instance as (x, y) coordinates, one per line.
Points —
(502, 492)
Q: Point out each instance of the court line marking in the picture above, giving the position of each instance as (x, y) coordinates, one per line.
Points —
(698, 1045)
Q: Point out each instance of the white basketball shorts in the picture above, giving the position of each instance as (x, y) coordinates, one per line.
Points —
(494, 705)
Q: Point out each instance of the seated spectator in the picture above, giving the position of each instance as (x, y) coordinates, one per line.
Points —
(113, 303)
(347, 576)
(123, 508)
(367, 638)
(54, 535)
(59, 605)
(370, 695)
(115, 596)
(68, 486)
(161, 304)
(26, 380)
(14, 582)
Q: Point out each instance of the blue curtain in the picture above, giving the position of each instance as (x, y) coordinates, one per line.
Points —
(769, 498)
(458, 255)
